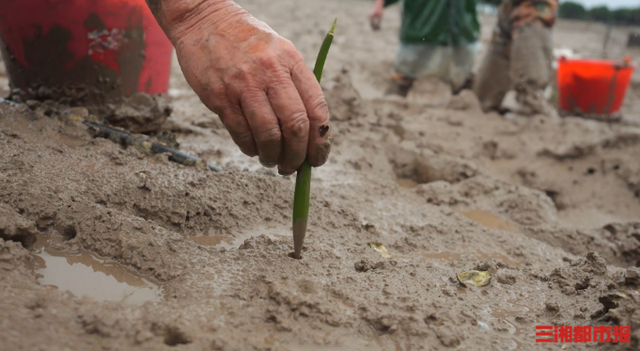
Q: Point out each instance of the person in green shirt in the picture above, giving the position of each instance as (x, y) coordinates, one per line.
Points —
(437, 38)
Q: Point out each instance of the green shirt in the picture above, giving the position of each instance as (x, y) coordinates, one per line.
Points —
(438, 22)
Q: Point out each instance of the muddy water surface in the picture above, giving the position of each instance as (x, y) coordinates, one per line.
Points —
(211, 240)
(487, 219)
(85, 274)
(233, 242)
(406, 183)
(446, 256)
(490, 220)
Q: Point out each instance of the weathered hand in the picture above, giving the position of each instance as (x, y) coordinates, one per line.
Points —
(255, 80)
(375, 17)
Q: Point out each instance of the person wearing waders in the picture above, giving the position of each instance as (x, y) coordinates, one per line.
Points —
(519, 57)
(437, 38)
(252, 78)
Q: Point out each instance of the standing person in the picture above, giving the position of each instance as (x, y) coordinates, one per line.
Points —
(437, 38)
(519, 56)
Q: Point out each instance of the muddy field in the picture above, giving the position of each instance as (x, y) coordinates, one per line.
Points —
(104, 248)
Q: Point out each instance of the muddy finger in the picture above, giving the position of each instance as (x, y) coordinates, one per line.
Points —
(292, 115)
(319, 144)
(264, 126)
(238, 127)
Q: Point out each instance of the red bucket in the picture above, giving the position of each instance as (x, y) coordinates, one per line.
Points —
(592, 88)
(83, 51)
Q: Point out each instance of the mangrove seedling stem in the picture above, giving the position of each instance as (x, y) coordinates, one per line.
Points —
(303, 177)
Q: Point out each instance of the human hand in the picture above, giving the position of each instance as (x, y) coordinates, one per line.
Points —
(255, 80)
(375, 17)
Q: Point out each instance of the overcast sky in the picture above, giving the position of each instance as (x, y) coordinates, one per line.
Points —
(611, 3)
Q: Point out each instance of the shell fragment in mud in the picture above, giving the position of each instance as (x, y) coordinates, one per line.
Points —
(474, 278)
(381, 249)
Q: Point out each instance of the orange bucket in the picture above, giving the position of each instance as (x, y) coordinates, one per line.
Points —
(593, 88)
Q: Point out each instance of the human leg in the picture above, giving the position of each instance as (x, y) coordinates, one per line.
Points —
(530, 69)
(405, 70)
(461, 67)
(531, 53)
(492, 81)
(417, 60)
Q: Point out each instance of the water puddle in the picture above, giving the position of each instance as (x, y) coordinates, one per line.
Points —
(441, 256)
(515, 332)
(406, 183)
(448, 256)
(211, 240)
(490, 220)
(85, 274)
(230, 242)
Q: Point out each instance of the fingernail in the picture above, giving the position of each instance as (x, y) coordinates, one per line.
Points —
(285, 172)
(248, 152)
(268, 164)
(322, 153)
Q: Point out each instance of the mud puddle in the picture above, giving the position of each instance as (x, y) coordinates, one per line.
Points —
(406, 183)
(448, 256)
(514, 333)
(490, 220)
(212, 240)
(233, 242)
(84, 274)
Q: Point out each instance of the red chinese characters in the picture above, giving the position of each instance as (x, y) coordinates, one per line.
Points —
(583, 334)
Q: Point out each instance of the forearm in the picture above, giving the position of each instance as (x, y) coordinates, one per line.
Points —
(178, 16)
(376, 13)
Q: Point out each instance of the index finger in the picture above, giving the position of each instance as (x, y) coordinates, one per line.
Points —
(319, 131)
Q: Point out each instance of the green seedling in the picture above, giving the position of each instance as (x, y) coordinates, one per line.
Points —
(303, 177)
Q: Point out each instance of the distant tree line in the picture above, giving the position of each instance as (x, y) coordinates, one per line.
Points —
(574, 10)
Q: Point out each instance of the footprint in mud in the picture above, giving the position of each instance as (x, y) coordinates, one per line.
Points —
(412, 167)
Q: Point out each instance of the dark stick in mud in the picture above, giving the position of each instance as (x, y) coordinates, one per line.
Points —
(147, 147)
(303, 177)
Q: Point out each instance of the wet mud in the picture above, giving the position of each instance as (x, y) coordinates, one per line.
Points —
(548, 207)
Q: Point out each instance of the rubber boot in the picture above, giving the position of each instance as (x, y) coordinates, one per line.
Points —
(467, 84)
(400, 85)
